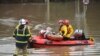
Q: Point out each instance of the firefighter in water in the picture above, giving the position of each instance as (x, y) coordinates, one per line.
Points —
(66, 29)
(22, 34)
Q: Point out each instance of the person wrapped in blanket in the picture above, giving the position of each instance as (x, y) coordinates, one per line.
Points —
(49, 34)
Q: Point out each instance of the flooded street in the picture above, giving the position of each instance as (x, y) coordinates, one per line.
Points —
(37, 14)
(7, 49)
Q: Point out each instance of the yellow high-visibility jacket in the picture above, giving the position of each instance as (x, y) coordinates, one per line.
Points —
(66, 31)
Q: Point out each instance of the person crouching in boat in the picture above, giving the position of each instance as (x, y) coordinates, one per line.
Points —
(79, 34)
(66, 29)
(22, 34)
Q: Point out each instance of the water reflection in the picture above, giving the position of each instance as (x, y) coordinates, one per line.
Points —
(7, 49)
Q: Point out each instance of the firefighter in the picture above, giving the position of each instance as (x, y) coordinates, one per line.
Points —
(22, 35)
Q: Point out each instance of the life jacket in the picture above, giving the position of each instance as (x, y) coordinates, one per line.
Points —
(68, 29)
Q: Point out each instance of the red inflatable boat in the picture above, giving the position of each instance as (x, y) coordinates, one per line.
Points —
(40, 41)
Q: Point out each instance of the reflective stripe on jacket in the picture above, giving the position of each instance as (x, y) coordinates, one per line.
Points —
(22, 35)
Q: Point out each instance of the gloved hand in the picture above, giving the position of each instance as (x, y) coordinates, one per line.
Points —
(59, 33)
(13, 36)
(30, 39)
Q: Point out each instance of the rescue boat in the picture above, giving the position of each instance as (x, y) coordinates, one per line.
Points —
(39, 41)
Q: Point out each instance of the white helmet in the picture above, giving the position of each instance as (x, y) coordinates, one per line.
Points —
(22, 21)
